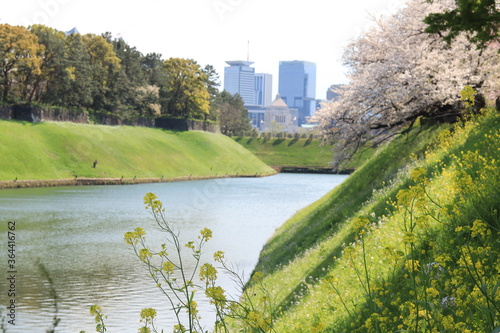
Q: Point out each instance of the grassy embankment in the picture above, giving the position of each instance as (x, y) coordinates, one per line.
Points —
(297, 152)
(59, 150)
(408, 243)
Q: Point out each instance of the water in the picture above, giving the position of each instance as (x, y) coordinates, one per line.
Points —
(77, 233)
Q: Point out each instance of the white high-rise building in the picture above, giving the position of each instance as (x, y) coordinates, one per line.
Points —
(239, 78)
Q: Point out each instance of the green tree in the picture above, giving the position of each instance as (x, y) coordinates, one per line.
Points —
(275, 128)
(105, 65)
(232, 114)
(185, 93)
(21, 56)
(53, 63)
(73, 86)
(480, 18)
(212, 81)
(152, 66)
(129, 90)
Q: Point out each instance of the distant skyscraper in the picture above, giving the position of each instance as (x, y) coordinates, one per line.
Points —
(239, 78)
(297, 86)
(332, 92)
(263, 89)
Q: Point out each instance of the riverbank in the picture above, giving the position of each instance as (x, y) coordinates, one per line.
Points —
(44, 152)
(11, 184)
(406, 238)
(304, 155)
(311, 169)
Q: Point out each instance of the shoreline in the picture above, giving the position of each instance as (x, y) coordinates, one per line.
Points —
(32, 183)
(12, 184)
(311, 169)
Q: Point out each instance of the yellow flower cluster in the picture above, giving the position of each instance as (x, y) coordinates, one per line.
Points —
(208, 273)
(219, 256)
(151, 201)
(206, 234)
(133, 237)
(168, 267)
(216, 296)
(148, 314)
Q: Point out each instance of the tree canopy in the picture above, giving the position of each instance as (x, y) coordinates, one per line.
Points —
(185, 92)
(479, 18)
(232, 114)
(21, 55)
(399, 73)
(100, 73)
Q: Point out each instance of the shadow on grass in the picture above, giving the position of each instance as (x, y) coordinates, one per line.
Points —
(278, 141)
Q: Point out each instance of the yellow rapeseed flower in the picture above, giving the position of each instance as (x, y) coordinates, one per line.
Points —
(208, 273)
(151, 201)
(219, 256)
(148, 313)
(168, 267)
(412, 265)
(206, 234)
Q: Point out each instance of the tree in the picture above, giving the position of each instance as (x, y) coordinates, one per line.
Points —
(74, 86)
(152, 66)
(399, 73)
(275, 129)
(156, 78)
(52, 66)
(232, 114)
(21, 56)
(212, 83)
(130, 91)
(185, 93)
(480, 18)
(105, 65)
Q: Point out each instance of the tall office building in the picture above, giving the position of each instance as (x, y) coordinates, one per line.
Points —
(239, 78)
(263, 89)
(297, 87)
(254, 88)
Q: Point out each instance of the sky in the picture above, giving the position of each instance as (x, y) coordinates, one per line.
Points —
(214, 31)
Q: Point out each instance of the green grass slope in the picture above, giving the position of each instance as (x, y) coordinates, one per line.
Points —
(288, 152)
(408, 243)
(297, 152)
(57, 150)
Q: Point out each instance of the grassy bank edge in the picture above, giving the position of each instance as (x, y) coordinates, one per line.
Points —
(57, 153)
(10, 184)
(300, 261)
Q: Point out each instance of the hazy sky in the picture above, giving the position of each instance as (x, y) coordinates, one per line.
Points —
(213, 31)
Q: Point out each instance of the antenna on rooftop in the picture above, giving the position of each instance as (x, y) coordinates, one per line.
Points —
(248, 51)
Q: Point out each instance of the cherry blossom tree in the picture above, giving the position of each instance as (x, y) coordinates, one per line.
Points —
(399, 73)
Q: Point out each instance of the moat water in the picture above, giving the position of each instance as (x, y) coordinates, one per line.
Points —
(77, 233)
